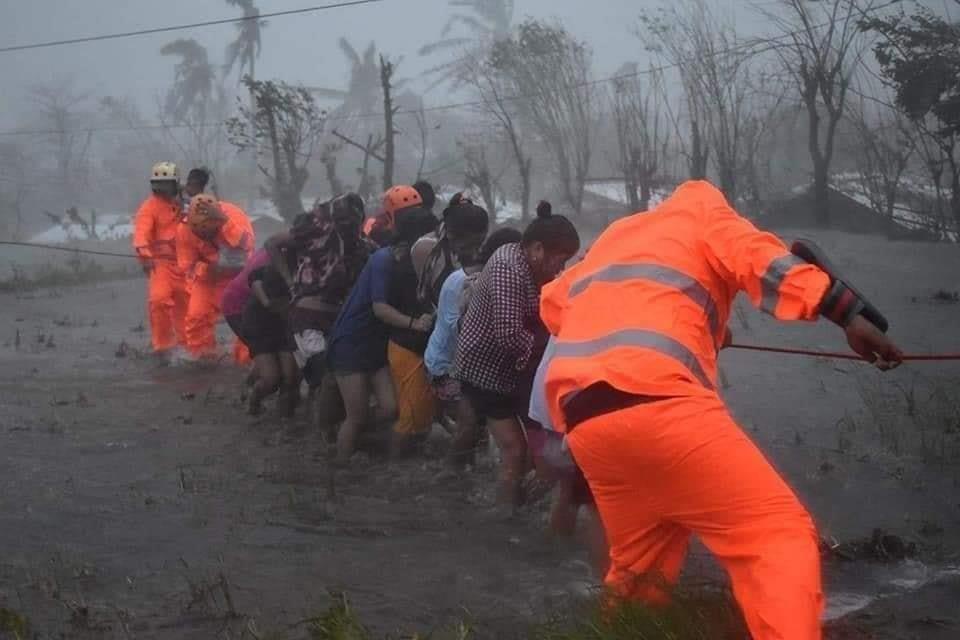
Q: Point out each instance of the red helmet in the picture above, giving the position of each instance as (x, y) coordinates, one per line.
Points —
(399, 198)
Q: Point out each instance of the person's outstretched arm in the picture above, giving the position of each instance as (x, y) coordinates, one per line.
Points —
(782, 284)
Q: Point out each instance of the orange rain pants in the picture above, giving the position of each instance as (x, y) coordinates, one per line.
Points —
(167, 300)
(663, 470)
(156, 225)
(203, 312)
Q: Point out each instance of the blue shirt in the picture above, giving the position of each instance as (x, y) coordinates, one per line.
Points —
(442, 346)
(357, 325)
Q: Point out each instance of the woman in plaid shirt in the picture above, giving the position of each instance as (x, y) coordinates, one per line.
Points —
(501, 338)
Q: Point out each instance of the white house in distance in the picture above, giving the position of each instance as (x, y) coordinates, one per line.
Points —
(119, 226)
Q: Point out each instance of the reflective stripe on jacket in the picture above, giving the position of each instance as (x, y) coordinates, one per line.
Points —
(646, 310)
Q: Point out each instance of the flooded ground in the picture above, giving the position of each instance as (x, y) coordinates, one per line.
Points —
(140, 502)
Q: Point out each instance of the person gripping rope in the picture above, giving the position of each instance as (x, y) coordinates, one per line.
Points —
(212, 248)
(237, 293)
(156, 225)
(631, 380)
(442, 349)
(499, 339)
(330, 252)
(357, 353)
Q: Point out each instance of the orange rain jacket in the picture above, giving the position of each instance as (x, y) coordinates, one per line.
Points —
(154, 241)
(646, 310)
(209, 266)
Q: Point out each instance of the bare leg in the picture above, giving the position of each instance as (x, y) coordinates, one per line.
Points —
(290, 384)
(464, 446)
(355, 390)
(513, 447)
(327, 407)
(563, 511)
(268, 381)
(596, 541)
(386, 396)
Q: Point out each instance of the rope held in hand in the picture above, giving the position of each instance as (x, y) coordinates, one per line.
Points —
(913, 357)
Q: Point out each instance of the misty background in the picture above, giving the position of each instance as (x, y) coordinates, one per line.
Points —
(81, 124)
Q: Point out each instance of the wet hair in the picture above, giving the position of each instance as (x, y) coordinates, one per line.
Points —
(348, 202)
(302, 221)
(200, 175)
(556, 233)
(463, 217)
(427, 194)
(414, 223)
(500, 237)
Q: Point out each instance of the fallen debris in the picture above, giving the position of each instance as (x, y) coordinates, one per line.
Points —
(879, 547)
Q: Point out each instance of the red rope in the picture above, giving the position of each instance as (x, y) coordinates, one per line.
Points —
(913, 357)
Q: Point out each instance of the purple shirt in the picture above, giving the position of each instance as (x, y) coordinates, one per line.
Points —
(236, 294)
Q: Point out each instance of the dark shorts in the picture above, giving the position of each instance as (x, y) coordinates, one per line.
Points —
(345, 358)
(493, 405)
(265, 332)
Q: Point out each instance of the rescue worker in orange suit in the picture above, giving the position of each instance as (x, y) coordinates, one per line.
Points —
(632, 377)
(212, 248)
(154, 241)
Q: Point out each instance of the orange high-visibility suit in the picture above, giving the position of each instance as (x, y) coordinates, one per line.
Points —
(209, 266)
(154, 240)
(642, 317)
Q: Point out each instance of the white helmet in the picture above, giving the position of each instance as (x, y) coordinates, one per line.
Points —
(165, 171)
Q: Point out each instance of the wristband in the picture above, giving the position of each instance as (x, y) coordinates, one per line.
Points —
(410, 324)
(840, 304)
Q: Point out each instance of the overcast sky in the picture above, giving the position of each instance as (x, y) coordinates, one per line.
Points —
(300, 48)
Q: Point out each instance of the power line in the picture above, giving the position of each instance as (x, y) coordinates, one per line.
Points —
(738, 48)
(207, 23)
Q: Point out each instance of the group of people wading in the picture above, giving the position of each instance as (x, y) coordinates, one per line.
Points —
(597, 378)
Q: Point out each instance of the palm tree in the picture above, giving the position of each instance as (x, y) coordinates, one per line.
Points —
(485, 21)
(244, 51)
(362, 94)
(193, 83)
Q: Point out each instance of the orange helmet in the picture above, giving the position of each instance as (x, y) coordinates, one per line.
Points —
(202, 217)
(399, 198)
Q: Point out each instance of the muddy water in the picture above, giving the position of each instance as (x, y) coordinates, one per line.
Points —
(130, 494)
(856, 587)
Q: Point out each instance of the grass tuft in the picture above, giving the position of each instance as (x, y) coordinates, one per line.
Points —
(14, 625)
(694, 613)
(339, 622)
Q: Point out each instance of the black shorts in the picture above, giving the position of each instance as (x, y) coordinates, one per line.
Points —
(265, 332)
(493, 405)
